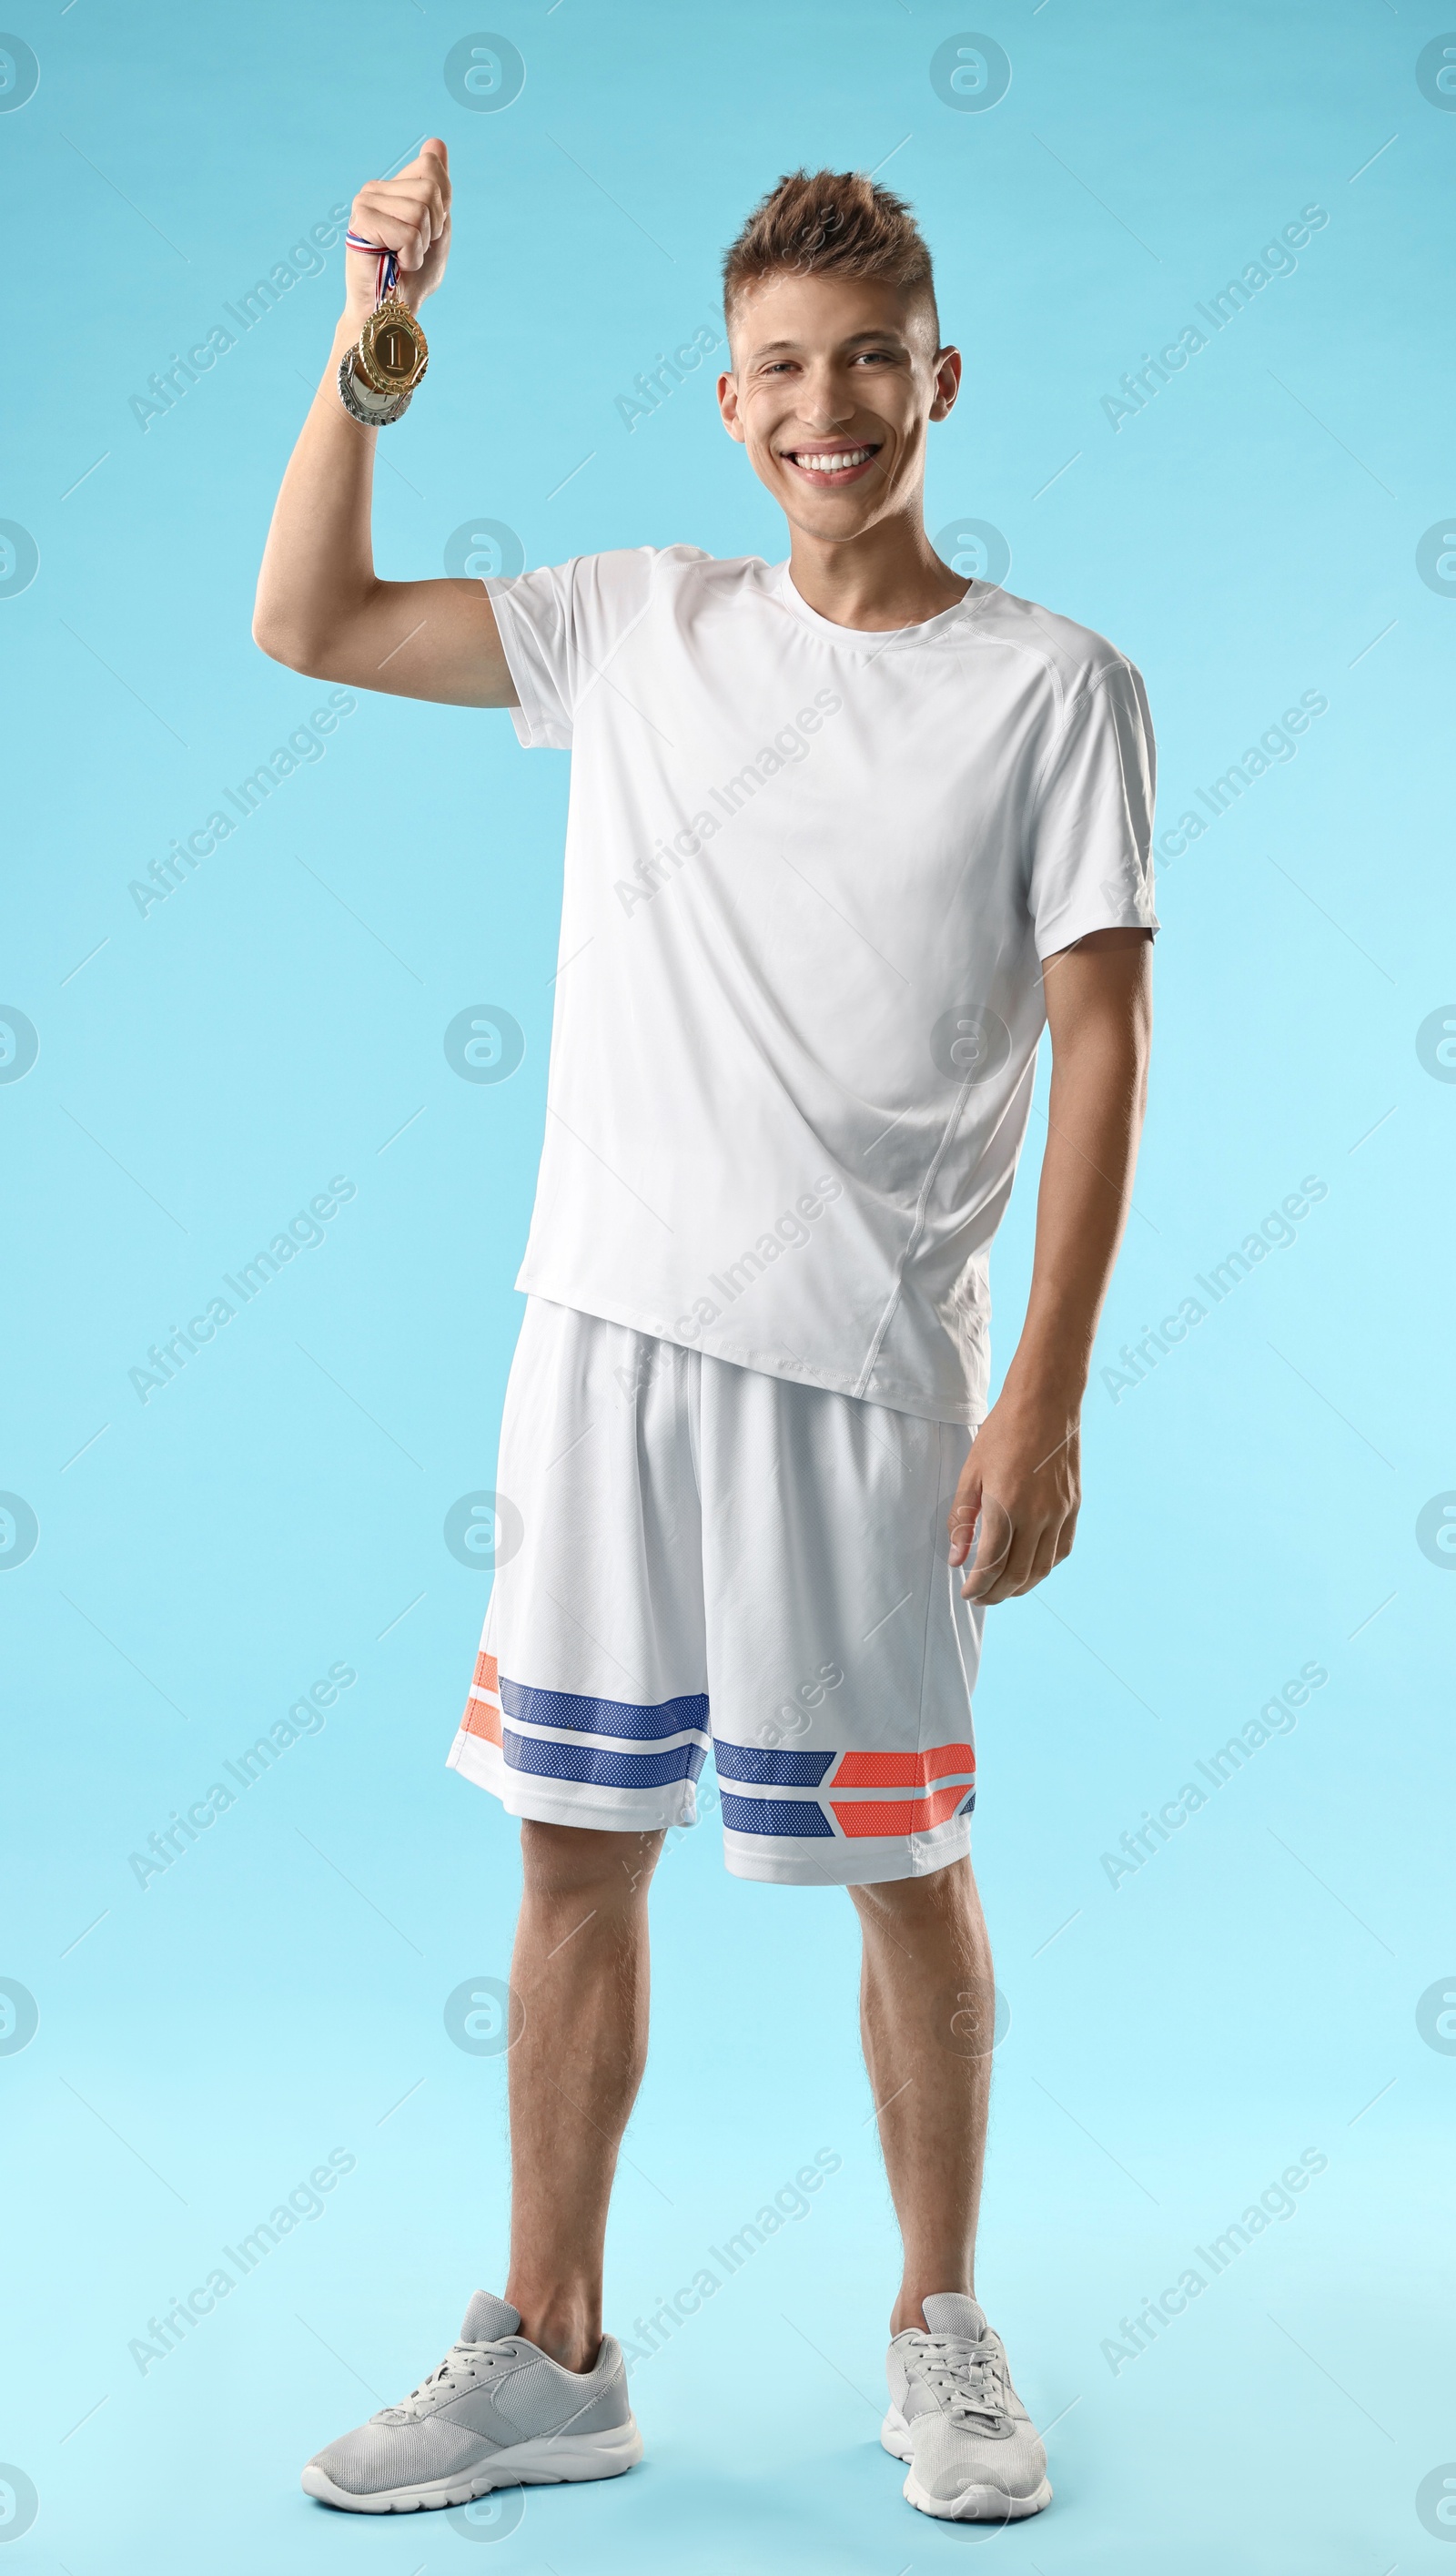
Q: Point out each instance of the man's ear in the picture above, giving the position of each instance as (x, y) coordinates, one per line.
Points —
(728, 405)
(947, 382)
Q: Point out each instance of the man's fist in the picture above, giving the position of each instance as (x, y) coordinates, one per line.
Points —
(410, 215)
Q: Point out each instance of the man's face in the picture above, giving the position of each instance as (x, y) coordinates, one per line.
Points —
(833, 382)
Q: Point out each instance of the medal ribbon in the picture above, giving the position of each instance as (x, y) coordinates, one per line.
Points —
(386, 269)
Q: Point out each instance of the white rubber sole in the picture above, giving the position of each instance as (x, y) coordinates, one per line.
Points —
(551, 2460)
(974, 2503)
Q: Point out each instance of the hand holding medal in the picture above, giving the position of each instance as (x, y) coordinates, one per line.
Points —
(397, 245)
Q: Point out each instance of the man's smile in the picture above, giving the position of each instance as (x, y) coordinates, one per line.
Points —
(823, 461)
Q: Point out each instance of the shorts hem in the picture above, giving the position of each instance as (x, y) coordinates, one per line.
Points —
(849, 1863)
(537, 1802)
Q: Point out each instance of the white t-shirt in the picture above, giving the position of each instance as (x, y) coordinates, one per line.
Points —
(810, 874)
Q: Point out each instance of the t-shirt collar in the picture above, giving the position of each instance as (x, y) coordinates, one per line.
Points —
(874, 640)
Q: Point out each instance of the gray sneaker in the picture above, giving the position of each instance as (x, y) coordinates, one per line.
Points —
(497, 2413)
(974, 2454)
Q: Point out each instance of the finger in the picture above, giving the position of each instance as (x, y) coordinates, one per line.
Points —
(1010, 1568)
(398, 216)
(432, 161)
(423, 187)
(1044, 1557)
(405, 218)
(1014, 1576)
(401, 228)
(961, 1523)
(406, 190)
(409, 241)
(995, 1538)
(962, 1526)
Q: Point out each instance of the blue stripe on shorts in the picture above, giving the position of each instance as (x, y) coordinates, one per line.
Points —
(584, 1716)
(600, 1764)
(782, 1770)
(801, 1816)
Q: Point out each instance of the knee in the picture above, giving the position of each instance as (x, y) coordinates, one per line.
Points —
(565, 1863)
(946, 1900)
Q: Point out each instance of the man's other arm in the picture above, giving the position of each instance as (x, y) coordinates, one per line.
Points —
(321, 607)
(1023, 1478)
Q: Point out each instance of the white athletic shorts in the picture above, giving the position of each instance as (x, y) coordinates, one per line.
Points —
(689, 1554)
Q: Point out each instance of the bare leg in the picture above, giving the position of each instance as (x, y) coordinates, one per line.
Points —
(580, 1983)
(927, 2012)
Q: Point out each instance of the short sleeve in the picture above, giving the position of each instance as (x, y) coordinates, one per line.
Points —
(559, 629)
(1092, 826)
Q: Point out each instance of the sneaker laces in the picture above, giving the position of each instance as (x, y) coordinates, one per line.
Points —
(460, 2369)
(968, 2378)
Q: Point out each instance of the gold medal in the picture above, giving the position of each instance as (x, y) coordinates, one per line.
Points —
(393, 353)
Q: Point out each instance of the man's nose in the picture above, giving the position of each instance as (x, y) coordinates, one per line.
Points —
(825, 401)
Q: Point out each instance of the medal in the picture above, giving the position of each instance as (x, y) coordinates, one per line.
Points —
(392, 354)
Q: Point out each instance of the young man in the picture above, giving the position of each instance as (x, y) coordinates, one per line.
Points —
(844, 834)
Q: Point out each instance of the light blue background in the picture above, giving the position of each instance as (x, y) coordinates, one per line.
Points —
(279, 1019)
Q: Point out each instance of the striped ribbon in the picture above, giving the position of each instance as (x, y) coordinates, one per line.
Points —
(387, 267)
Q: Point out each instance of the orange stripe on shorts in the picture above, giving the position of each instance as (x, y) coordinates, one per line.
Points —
(903, 1770)
(862, 1819)
(482, 1717)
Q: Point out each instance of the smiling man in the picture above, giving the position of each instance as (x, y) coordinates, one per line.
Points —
(845, 833)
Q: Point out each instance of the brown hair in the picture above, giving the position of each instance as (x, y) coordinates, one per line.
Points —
(833, 223)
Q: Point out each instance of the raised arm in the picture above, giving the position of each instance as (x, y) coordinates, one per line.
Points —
(321, 607)
(1023, 1476)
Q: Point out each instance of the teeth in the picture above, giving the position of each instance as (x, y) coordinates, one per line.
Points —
(837, 464)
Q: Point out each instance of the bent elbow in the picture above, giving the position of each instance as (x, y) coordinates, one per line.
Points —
(284, 644)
